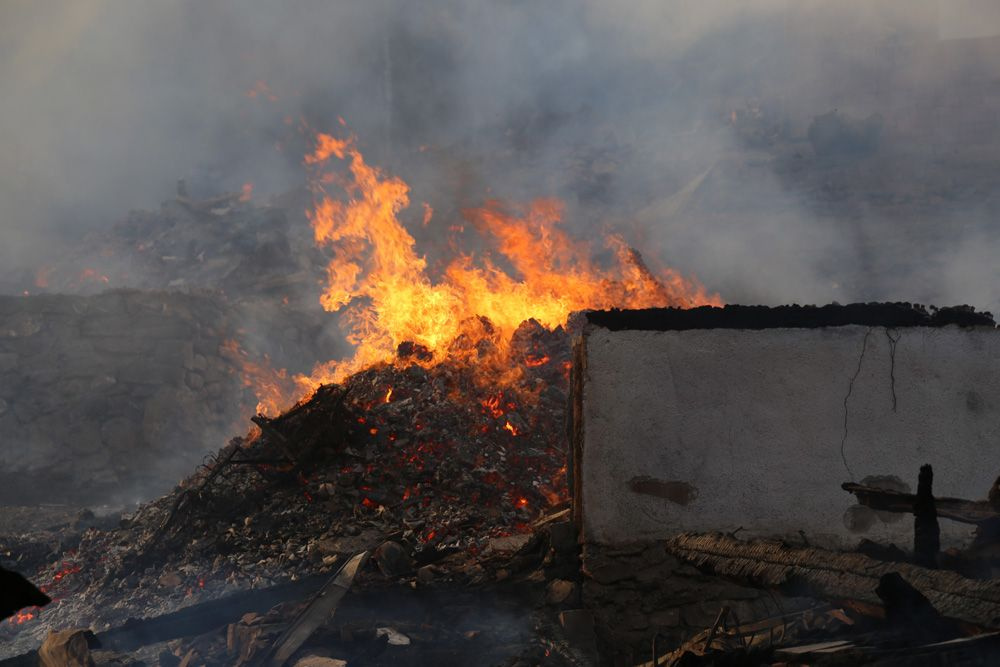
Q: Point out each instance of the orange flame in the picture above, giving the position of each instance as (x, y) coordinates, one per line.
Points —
(273, 388)
(380, 284)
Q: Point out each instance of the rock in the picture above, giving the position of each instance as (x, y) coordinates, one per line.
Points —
(392, 559)
(559, 591)
(67, 648)
(195, 380)
(349, 544)
(170, 580)
(425, 575)
(508, 544)
(393, 636)
(197, 363)
(318, 661)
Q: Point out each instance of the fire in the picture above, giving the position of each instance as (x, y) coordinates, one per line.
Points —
(391, 305)
(510, 428)
(246, 192)
(379, 282)
(272, 387)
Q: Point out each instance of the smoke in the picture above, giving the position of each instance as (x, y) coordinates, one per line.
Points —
(625, 110)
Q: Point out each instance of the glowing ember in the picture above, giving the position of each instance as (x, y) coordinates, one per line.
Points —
(388, 395)
(23, 616)
(510, 428)
(494, 405)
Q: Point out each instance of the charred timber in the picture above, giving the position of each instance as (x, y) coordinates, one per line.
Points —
(926, 532)
(957, 509)
(835, 576)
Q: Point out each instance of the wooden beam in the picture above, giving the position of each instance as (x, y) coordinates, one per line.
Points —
(956, 509)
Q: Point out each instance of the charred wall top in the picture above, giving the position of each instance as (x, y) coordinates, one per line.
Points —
(794, 317)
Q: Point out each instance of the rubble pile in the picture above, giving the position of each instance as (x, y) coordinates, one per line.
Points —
(437, 470)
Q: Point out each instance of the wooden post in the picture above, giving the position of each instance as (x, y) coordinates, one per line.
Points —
(926, 532)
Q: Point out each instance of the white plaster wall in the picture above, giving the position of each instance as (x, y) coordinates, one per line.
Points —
(753, 421)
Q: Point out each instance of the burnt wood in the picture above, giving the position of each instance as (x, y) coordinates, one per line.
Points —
(957, 509)
(926, 531)
(891, 315)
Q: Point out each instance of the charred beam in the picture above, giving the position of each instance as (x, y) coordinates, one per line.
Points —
(957, 509)
(926, 532)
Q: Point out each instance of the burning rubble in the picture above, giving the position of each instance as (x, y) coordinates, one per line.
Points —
(438, 448)
(410, 504)
(422, 460)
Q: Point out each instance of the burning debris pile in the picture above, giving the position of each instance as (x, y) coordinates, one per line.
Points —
(414, 463)
(438, 448)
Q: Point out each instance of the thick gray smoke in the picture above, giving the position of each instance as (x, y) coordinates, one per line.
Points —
(684, 123)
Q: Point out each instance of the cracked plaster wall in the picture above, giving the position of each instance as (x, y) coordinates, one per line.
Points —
(722, 429)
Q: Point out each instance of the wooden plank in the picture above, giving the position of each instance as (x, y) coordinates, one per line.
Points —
(319, 611)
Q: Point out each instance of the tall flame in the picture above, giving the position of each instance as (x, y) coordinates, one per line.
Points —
(380, 284)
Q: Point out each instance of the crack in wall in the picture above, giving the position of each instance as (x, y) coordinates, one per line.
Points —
(850, 390)
(892, 362)
(893, 336)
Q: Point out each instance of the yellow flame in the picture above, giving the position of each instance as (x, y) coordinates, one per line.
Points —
(379, 283)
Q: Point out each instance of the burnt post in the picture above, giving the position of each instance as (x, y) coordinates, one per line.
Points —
(926, 532)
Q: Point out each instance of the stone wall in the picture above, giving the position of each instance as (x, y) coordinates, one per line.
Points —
(728, 426)
(112, 397)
